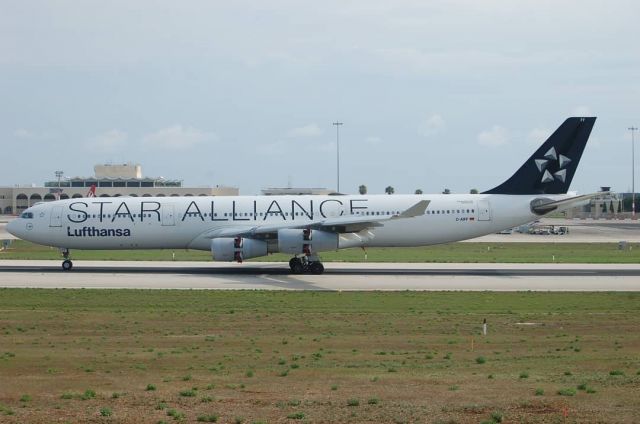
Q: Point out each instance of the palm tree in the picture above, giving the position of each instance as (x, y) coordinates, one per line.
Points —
(389, 190)
(362, 189)
(418, 191)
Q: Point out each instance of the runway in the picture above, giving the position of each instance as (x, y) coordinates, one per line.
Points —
(338, 276)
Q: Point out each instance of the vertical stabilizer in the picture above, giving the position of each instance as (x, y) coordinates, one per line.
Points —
(551, 168)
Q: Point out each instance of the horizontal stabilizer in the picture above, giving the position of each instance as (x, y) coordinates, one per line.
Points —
(541, 205)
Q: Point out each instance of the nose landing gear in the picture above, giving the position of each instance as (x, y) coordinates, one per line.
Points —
(66, 264)
(306, 264)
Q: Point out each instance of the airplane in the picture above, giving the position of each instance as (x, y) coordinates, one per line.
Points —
(236, 228)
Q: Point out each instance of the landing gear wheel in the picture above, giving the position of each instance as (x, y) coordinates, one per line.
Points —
(296, 266)
(316, 267)
(67, 265)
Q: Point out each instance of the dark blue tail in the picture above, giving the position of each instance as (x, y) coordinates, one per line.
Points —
(550, 169)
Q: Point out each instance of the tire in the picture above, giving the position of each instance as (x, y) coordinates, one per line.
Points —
(316, 268)
(296, 266)
(67, 265)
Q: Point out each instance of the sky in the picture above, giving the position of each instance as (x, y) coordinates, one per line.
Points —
(433, 94)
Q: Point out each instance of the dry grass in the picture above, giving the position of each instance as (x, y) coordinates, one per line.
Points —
(317, 357)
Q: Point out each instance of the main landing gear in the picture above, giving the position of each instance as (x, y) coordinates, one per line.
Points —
(66, 264)
(306, 264)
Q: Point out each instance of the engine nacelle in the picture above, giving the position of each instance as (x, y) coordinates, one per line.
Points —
(306, 241)
(237, 249)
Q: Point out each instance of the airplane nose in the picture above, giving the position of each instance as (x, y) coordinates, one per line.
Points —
(12, 227)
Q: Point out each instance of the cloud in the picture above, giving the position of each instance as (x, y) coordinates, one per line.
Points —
(372, 139)
(276, 148)
(22, 133)
(311, 130)
(25, 134)
(495, 137)
(176, 137)
(329, 147)
(537, 136)
(108, 141)
(431, 126)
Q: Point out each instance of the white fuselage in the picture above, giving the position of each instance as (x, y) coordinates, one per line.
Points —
(189, 222)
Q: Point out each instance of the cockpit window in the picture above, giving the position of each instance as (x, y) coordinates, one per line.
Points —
(27, 215)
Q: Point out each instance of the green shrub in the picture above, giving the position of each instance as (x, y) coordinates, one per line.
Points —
(212, 418)
(481, 360)
(150, 388)
(497, 416)
(25, 398)
(296, 416)
(177, 415)
(353, 402)
(188, 393)
(88, 394)
(105, 412)
(373, 401)
(539, 392)
(524, 374)
(567, 392)
(616, 372)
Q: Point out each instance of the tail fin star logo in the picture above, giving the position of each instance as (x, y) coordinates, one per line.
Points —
(543, 164)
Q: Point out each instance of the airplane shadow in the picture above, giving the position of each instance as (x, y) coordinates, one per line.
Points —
(284, 271)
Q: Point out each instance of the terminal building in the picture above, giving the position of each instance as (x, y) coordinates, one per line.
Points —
(109, 181)
(295, 191)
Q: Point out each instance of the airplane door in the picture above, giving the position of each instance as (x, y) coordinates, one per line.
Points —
(168, 215)
(56, 217)
(484, 210)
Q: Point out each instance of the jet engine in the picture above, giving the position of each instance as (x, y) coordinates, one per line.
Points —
(305, 241)
(237, 249)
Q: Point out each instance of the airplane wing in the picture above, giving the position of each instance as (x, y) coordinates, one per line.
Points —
(340, 224)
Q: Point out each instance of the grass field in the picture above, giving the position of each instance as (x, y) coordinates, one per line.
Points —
(453, 252)
(265, 357)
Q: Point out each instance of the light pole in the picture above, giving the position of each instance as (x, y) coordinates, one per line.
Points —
(633, 172)
(58, 175)
(337, 124)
